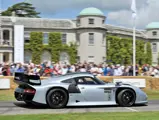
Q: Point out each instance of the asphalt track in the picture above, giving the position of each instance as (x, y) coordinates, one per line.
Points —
(15, 108)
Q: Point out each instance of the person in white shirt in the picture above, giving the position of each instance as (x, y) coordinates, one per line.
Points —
(72, 69)
(83, 69)
(118, 71)
(100, 70)
(94, 70)
(64, 70)
(155, 72)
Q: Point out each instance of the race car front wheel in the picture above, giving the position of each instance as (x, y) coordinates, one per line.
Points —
(126, 98)
(57, 98)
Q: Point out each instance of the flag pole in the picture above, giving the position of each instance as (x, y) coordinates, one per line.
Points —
(134, 48)
(133, 8)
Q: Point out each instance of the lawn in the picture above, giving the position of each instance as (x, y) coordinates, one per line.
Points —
(6, 95)
(152, 94)
(87, 116)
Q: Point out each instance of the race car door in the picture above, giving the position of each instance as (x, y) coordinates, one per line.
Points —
(91, 90)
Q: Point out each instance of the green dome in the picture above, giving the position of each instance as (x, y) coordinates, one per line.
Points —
(91, 11)
(153, 25)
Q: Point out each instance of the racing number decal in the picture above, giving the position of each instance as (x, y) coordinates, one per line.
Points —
(108, 94)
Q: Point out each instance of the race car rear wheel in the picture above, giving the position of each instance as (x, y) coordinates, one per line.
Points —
(126, 98)
(57, 98)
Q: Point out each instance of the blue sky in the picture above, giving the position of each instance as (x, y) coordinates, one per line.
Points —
(68, 13)
(7, 3)
(117, 12)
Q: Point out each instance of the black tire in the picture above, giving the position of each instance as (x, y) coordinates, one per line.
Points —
(57, 98)
(126, 98)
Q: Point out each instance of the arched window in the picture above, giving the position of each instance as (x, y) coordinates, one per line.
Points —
(64, 58)
(27, 56)
(46, 56)
(6, 35)
(154, 47)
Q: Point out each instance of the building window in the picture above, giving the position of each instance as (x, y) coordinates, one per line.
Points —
(45, 38)
(91, 38)
(6, 35)
(26, 40)
(26, 34)
(154, 33)
(91, 56)
(78, 59)
(78, 22)
(64, 38)
(104, 59)
(78, 38)
(26, 37)
(103, 21)
(154, 47)
(91, 59)
(104, 39)
(91, 21)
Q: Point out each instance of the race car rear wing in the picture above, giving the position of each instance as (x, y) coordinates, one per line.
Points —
(21, 78)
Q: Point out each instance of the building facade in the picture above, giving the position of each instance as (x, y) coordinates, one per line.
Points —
(88, 30)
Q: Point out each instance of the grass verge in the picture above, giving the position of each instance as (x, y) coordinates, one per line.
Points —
(152, 94)
(7, 95)
(87, 116)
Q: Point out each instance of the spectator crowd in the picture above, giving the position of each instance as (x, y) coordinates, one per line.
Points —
(54, 69)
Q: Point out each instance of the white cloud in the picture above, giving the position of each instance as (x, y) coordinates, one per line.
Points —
(119, 10)
(146, 14)
(57, 5)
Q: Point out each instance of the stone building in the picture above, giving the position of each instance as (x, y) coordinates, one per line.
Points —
(88, 30)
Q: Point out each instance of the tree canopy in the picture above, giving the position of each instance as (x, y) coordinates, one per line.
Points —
(22, 9)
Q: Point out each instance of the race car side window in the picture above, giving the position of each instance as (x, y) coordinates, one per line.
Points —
(69, 81)
(86, 81)
(90, 81)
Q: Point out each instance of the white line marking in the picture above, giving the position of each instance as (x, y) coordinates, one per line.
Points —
(131, 109)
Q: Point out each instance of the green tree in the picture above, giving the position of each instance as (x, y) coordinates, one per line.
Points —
(148, 53)
(26, 8)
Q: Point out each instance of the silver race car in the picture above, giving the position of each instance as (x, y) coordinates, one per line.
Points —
(76, 89)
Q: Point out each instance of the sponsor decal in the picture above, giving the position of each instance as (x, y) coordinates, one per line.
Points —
(108, 94)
